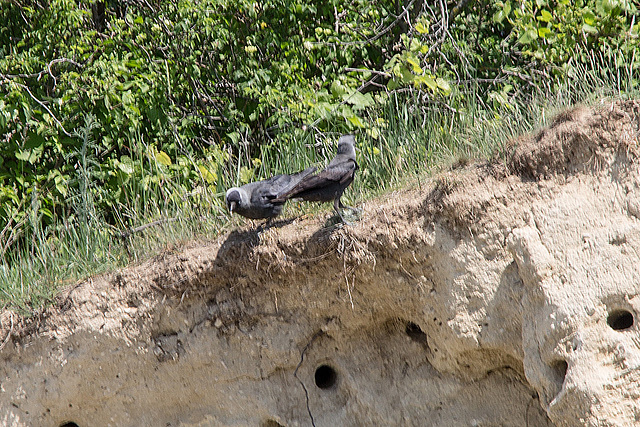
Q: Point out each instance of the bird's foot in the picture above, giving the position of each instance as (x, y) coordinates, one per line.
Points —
(344, 216)
(336, 220)
(264, 227)
(344, 221)
(350, 215)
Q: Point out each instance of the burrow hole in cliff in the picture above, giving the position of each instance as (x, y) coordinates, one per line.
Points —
(560, 371)
(69, 424)
(619, 320)
(414, 332)
(326, 377)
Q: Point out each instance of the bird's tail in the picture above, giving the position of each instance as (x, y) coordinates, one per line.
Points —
(299, 176)
(285, 194)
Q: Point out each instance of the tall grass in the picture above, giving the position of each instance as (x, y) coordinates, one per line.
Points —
(414, 136)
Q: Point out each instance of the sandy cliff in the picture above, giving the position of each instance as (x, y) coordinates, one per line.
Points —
(498, 294)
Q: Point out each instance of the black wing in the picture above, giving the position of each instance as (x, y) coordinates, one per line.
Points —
(338, 173)
(270, 188)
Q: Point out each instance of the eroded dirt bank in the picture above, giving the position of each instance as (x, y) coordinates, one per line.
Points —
(498, 294)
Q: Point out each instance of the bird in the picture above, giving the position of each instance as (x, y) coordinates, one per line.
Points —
(256, 200)
(328, 185)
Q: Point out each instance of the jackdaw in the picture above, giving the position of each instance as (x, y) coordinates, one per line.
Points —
(256, 200)
(329, 184)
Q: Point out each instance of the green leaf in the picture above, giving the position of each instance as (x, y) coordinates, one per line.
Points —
(530, 35)
(406, 75)
(428, 81)
(246, 174)
(393, 84)
(135, 63)
(32, 150)
(234, 137)
(356, 121)
(501, 15)
(374, 133)
(443, 85)
(163, 158)
(415, 64)
(61, 186)
(415, 45)
(543, 32)
(126, 165)
(589, 18)
(359, 100)
(134, 109)
(545, 16)
(422, 28)
(607, 7)
(507, 8)
(338, 89)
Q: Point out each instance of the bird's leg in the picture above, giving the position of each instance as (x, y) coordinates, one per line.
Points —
(337, 204)
(342, 206)
(265, 225)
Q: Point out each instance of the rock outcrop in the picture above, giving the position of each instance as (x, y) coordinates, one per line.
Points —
(504, 293)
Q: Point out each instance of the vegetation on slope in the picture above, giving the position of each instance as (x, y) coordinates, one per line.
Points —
(123, 122)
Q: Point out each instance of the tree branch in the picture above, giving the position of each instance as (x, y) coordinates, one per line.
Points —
(25, 87)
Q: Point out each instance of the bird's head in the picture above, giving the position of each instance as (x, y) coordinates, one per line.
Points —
(347, 145)
(233, 198)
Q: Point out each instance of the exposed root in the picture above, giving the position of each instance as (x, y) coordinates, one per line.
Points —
(8, 337)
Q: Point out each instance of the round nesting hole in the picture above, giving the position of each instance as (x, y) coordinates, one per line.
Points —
(69, 424)
(326, 377)
(619, 320)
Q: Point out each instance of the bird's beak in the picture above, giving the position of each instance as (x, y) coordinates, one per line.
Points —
(232, 206)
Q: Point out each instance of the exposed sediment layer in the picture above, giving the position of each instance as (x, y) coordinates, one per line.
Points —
(503, 294)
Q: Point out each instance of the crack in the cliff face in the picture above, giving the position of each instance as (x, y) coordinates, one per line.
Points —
(295, 373)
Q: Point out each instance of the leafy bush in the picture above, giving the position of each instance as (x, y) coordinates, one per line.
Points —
(189, 97)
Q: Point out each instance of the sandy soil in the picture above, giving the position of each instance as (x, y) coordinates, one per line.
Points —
(498, 294)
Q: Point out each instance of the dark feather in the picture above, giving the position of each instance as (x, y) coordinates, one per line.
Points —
(329, 184)
(256, 200)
